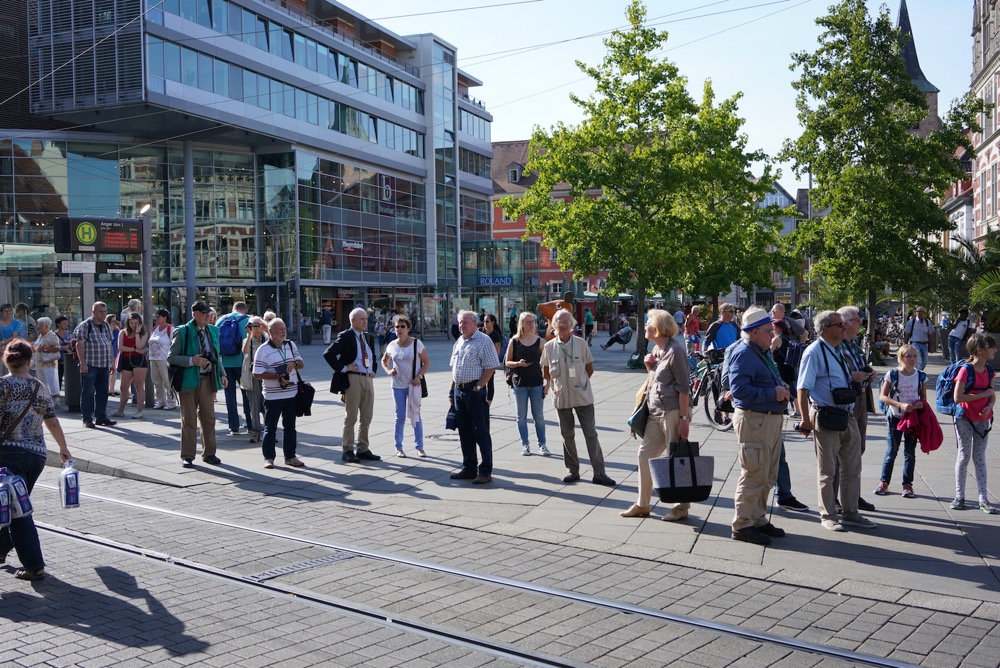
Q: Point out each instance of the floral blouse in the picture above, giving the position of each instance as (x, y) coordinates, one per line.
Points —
(14, 392)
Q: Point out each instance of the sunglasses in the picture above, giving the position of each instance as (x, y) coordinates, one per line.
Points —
(838, 324)
(254, 324)
(400, 327)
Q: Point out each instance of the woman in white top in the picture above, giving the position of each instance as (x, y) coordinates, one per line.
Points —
(902, 392)
(47, 357)
(256, 337)
(957, 336)
(159, 350)
(277, 364)
(406, 375)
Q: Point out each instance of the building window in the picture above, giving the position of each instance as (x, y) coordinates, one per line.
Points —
(553, 254)
(513, 174)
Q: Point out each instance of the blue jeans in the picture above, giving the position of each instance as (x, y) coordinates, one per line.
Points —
(94, 393)
(954, 347)
(474, 430)
(783, 485)
(922, 349)
(233, 374)
(892, 439)
(522, 395)
(275, 409)
(22, 535)
(399, 397)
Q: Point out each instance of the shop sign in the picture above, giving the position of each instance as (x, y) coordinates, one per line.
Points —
(351, 246)
(487, 281)
(386, 195)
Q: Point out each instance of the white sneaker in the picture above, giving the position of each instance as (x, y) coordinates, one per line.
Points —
(832, 525)
(858, 522)
(157, 406)
(525, 450)
(543, 451)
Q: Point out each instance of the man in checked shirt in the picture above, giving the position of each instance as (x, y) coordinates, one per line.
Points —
(473, 361)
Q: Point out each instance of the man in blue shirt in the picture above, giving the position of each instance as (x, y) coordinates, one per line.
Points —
(760, 397)
(822, 369)
(723, 332)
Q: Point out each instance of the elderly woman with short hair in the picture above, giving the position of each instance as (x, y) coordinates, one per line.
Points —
(668, 398)
(47, 357)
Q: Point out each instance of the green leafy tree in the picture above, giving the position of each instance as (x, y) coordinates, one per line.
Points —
(877, 177)
(661, 191)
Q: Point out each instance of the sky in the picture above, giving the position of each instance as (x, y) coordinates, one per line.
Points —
(741, 45)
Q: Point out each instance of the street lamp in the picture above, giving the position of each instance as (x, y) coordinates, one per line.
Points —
(147, 263)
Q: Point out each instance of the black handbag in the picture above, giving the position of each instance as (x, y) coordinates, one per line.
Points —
(304, 395)
(423, 381)
(833, 419)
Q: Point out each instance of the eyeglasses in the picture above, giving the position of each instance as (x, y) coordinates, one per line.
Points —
(254, 324)
(400, 327)
(837, 324)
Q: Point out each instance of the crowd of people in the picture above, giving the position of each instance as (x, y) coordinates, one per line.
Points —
(250, 360)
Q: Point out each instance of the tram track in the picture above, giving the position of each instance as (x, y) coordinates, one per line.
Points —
(265, 582)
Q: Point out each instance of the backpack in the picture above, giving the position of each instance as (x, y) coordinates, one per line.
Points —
(945, 387)
(230, 338)
(72, 343)
(894, 388)
(793, 355)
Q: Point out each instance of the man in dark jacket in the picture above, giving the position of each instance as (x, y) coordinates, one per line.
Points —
(352, 358)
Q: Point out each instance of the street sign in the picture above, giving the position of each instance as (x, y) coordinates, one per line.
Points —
(118, 268)
(98, 235)
(74, 267)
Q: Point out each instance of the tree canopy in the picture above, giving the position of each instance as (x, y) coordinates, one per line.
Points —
(660, 188)
(876, 176)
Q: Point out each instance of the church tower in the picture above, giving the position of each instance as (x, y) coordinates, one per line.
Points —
(933, 122)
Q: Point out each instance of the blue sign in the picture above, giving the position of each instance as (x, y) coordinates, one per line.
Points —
(485, 281)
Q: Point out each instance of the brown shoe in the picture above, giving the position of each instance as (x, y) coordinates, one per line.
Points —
(482, 479)
(635, 511)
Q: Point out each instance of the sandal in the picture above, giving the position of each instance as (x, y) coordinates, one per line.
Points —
(30, 573)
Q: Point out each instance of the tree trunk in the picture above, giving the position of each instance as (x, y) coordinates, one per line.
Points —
(640, 329)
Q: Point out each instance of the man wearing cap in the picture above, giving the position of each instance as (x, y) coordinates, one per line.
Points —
(760, 397)
(195, 348)
(352, 354)
(823, 375)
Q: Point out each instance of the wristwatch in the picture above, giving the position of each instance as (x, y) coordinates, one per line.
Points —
(685, 418)
(477, 388)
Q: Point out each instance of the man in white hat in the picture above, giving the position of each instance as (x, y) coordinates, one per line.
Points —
(760, 398)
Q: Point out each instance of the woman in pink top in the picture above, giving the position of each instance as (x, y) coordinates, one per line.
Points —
(975, 400)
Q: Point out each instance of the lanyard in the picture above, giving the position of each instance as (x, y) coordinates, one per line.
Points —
(569, 355)
(770, 363)
(824, 345)
(855, 355)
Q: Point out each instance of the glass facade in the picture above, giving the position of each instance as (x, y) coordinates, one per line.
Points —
(443, 85)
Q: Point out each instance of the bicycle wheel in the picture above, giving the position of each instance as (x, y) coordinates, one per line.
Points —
(716, 418)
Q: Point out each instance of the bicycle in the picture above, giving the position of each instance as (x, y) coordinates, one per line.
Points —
(706, 381)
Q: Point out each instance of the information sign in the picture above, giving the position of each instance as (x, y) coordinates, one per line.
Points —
(98, 235)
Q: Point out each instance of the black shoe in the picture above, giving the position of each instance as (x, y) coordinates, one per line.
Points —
(865, 506)
(369, 456)
(482, 479)
(187, 462)
(106, 423)
(212, 459)
(572, 477)
(603, 479)
(89, 424)
(791, 503)
(751, 535)
(350, 457)
(463, 475)
(771, 530)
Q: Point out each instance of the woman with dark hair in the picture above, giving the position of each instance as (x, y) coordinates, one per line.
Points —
(65, 338)
(409, 363)
(25, 405)
(492, 329)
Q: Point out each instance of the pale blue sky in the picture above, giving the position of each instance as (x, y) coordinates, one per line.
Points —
(528, 89)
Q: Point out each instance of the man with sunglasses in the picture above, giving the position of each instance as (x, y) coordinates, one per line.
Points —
(824, 384)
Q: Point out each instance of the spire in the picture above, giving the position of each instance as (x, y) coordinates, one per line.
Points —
(910, 52)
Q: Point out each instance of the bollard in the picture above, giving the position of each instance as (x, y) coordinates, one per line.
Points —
(71, 383)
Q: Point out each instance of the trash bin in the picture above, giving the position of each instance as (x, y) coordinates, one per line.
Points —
(71, 383)
(307, 335)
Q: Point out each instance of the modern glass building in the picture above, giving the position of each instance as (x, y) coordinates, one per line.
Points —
(295, 155)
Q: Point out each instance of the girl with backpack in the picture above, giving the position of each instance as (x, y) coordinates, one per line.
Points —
(974, 398)
(904, 390)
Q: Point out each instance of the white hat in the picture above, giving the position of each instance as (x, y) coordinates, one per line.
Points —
(755, 317)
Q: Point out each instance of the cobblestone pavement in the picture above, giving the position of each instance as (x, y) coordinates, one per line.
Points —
(923, 588)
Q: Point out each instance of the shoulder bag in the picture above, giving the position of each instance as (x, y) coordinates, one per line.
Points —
(423, 381)
(640, 416)
(682, 476)
(304, 392)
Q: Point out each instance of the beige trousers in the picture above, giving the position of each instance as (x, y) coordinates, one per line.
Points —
(759, 436)
(833, 448)
(197, 407)
(359, 398)
(660, 431)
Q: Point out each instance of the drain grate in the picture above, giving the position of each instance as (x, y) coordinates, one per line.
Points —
(301, 566)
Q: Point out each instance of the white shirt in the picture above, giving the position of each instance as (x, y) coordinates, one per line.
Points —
(907, 390)
(270, 359)
(159, 343)
(402, 361)
(360, 361)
